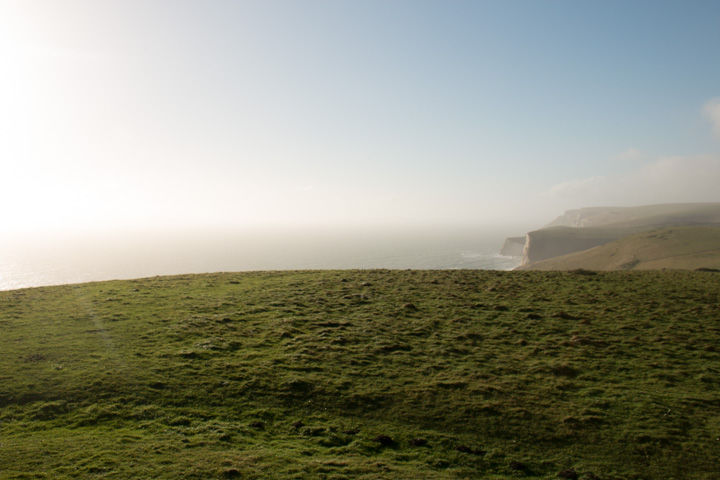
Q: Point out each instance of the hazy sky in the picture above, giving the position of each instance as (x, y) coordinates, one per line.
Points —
(352, 112)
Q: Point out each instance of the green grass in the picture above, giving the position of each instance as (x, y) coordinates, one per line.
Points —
(341, 374)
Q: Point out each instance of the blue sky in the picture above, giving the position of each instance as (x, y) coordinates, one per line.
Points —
(343, 113)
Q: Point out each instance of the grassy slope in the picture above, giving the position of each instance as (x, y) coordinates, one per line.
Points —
(673, 248)
(503, 374)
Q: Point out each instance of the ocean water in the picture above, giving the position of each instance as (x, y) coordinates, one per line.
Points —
(64, 258)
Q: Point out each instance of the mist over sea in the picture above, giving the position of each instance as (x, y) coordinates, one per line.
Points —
(61, 258)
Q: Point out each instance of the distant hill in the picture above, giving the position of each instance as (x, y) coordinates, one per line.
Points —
(686, 248)
(643, 216)
(580, 230)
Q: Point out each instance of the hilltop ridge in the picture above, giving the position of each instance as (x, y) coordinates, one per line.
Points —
(675, 214)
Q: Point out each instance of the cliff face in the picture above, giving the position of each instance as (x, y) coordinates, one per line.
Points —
(585, 228)
(678, 248)
(555, 242)
(513, 247)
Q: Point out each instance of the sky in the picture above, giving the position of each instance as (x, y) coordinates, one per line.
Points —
(352, 113)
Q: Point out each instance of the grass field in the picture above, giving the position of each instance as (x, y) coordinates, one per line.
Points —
(364, 375)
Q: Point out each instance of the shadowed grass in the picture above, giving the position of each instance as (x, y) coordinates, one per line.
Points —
(364, 374)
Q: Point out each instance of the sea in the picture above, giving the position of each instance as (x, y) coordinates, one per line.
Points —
(56, 258)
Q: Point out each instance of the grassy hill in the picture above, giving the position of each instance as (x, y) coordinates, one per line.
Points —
(555, 242)
(685, 248)
(364, 375)
(579, 230)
